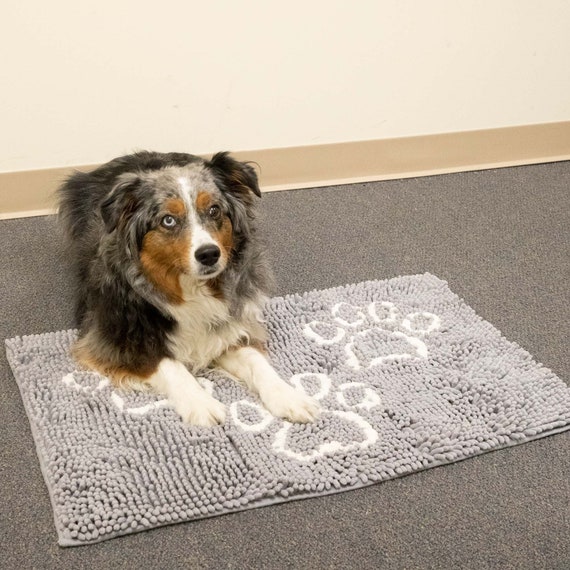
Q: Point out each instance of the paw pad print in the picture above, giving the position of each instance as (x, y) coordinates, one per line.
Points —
(375, 334)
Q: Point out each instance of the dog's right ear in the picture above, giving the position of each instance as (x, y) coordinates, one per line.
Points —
(119, 203)
(237, 178)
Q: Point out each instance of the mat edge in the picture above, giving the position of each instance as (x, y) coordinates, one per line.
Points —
(36, 438)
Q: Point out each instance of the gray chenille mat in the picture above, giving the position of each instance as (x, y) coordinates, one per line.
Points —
(407, 375)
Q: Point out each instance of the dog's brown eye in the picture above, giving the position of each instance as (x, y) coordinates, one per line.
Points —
(168, 222)
(215, 212)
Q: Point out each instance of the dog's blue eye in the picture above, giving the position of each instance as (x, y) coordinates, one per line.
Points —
(168, 221)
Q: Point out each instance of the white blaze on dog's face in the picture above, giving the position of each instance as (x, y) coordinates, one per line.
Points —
(192, 234)
(211, 235)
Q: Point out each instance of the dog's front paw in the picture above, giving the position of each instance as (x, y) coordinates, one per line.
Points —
(201, 411)
(285, 402)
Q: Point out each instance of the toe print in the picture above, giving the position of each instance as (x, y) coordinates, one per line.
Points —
(347, 315)
(323, 333)
(357, 395)
(250, 416)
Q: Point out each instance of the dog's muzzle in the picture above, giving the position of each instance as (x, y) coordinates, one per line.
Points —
(208, 255)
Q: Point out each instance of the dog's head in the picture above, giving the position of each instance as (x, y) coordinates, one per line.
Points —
(182, 223)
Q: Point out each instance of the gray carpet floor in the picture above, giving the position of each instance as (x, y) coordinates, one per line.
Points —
(500, 237)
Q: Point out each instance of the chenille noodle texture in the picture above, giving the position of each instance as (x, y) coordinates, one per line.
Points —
(407, 376)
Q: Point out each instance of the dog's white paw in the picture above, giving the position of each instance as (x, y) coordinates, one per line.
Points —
(201, 411)
(285, 402)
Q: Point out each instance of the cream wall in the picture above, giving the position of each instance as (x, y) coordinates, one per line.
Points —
(82, 82)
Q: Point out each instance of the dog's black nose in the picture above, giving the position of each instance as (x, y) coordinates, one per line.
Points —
(208, 254)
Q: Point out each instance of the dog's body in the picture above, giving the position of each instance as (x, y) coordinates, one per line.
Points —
(172, 279)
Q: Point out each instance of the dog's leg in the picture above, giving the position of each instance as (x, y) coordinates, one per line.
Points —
(251, 367)
(187, 397)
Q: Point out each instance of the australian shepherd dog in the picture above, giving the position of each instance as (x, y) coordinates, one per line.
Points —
(172, 280)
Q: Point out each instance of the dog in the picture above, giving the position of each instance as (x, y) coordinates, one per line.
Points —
(172, 279)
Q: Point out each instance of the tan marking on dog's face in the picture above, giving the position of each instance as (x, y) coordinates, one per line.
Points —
(224, 237)
(203, 201)
(175, 207)
(164, 258)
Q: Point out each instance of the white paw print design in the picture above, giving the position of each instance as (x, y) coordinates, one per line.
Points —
(374, 334)
(342, 428)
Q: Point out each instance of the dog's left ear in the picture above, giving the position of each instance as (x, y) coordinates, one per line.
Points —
(239, 178)
(119, 203)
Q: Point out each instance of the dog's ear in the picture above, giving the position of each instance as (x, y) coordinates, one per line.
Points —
(238, 178)
(120, 202)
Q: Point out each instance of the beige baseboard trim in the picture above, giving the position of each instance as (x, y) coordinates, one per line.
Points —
(32, 192)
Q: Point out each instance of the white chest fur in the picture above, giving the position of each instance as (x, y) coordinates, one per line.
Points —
(206, 329)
